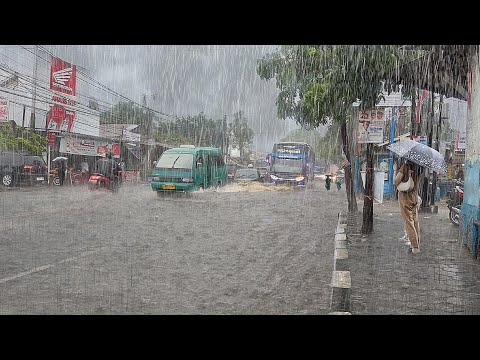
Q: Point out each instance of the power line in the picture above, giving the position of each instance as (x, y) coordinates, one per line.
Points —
(112, 91)
(102, 87)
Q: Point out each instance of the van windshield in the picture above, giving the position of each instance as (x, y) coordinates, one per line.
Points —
(175, 161)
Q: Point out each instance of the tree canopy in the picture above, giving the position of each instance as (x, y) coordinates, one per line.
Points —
(321, 82)
(240, 133)
(196, 130)
(14, 137)
(128, 113)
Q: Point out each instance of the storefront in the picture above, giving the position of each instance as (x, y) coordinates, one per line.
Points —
(78, 148)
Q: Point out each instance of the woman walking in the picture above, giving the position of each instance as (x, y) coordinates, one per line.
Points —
(408, 199)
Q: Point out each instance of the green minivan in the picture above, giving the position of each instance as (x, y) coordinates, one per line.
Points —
(185, 169)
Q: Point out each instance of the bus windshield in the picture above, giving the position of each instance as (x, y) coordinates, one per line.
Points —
(175, 161)
(284, 165)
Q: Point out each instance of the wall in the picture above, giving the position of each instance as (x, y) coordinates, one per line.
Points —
(471, 201)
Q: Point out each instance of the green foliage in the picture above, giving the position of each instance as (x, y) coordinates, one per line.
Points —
(196, 130)
(128, 113)
(320, 82)
(20, 139)
(241, 134)
(325, 146)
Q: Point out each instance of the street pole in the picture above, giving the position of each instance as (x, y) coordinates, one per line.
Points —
(34, 91)
(430, 143)
(437, 147)
(390, 164)
(356, 181)
(224, 138)
(23, 117)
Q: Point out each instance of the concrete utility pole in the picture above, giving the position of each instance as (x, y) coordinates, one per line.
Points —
(224, 137)
(437, 147)
(34, 90)
(23, 117)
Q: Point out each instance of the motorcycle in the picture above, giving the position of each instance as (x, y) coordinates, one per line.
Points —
(78, 178)
(454, 204)
(54, 178)
(99, 181)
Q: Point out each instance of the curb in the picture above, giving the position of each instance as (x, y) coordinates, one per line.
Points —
(341, 280)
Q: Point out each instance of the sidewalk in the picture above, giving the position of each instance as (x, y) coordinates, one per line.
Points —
(387, 279)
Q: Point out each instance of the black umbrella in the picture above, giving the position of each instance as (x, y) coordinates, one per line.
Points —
(420, 154)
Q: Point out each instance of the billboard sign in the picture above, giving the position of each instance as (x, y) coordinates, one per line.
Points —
(63, 77)
(370, 125)
(88, 147)
(3, 110)
(60, 119)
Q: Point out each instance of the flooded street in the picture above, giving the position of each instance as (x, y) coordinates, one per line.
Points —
(239, 250)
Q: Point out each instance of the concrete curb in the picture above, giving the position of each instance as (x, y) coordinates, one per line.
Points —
(341, 280)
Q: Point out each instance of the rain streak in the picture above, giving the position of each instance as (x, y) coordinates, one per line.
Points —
(239, 180)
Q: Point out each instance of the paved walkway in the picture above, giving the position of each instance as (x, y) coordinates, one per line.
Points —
(387, 279)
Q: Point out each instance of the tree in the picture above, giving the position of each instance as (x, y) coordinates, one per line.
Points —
(319, 83)
(196, 130)
(241, 134)
(128, 113)
(14, 137)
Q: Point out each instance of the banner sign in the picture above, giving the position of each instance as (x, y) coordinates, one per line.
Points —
(63, 80)
(3, 110)
(51, 138)
(88, 147)
(60, 119)
(63, 77)
(370, 126)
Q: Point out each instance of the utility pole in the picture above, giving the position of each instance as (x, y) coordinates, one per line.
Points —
(391, 189)
(356, 177)
(23, 117)
(34, 92)
(224, 137)
(413, 127)
(437, 147)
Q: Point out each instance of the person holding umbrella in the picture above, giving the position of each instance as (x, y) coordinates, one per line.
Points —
(60, 162)
(408, 199)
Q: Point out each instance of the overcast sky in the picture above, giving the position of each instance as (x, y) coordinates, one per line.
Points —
(187, 79)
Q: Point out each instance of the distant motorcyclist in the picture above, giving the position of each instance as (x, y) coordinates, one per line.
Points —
(109, 168)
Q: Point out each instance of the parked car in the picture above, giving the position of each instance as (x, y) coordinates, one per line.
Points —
(246, 175)
(17, 168)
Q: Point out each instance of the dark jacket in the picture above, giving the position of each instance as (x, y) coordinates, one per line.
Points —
(107, 167)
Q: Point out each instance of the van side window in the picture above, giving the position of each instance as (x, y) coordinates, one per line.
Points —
(199, 161)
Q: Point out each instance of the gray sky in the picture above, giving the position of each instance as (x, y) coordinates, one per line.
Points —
(187, 79)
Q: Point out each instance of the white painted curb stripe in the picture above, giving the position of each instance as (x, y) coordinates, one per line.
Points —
(341, 279)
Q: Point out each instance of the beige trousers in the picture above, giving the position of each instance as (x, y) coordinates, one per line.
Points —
(408, 208)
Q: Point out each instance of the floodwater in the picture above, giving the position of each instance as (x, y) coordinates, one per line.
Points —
(243, 249)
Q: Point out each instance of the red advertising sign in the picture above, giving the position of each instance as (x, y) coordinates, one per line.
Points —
(51, 138)
(63, 77)
(116, 149)
(3, 110)
(421, 99)
(60, 119)
(55, 117)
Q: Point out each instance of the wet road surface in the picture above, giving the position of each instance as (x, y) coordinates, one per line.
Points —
(238, 250)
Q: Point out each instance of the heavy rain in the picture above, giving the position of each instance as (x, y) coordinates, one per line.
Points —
(239, 180)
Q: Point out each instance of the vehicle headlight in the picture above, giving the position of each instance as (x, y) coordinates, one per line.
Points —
(299, 178)
(273, 177)
(155, 178)
(188, 180)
